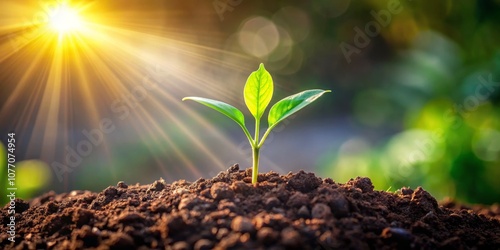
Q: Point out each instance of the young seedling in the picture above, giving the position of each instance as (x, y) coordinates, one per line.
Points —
(258, 92)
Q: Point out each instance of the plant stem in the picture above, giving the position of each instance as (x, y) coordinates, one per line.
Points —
(255, 152)
(255, 168)
(250, 139)
(264, 137)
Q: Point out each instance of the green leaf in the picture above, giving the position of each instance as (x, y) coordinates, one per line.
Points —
(291, 104)
(258, 91)
(224, 108)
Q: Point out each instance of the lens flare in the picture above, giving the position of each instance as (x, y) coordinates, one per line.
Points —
(64, 19)
(86, 83)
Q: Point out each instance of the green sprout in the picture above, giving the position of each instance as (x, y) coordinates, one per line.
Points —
(258, 92)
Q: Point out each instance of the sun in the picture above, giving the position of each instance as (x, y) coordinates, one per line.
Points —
(64, 19)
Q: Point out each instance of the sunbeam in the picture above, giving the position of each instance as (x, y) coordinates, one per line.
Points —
(84, 65)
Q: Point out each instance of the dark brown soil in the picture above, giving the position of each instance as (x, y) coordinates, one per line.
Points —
(295, 211)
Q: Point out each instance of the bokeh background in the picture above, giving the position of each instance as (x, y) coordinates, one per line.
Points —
(415, 91)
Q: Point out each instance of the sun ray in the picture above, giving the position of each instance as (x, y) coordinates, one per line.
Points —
(84, 60)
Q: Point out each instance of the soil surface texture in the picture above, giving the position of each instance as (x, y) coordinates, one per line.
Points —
(293, 211)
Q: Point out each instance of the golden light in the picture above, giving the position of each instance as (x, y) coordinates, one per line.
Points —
(77, 64)
(64, 19)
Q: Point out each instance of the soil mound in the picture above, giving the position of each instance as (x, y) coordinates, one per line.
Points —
(294, 211)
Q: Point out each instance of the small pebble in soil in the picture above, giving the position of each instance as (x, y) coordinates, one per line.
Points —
(363, 183)
(405, 191)
(120, 241)
(227, 205)
(241, 187)
(304, 212)
(321, 211)
(221, 233)
(297, 199)
(242, 224)
(290, 237)
(203, 244)
(157, 185)
(272, 202)
(221, 190)
(339, 205)
(180, 191)
(304, 182)
(129, 217)
(267, 235)
(110, 191)
(230, 240)
(121, 184)
(82, 216)
(175, 223)
(234, 168)
(424, 199)
(180, 245)
(399, 234)
(430, 218)
(190, 202)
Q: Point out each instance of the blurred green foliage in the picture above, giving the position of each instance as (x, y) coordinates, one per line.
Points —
(31, 176)
(439, 92)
